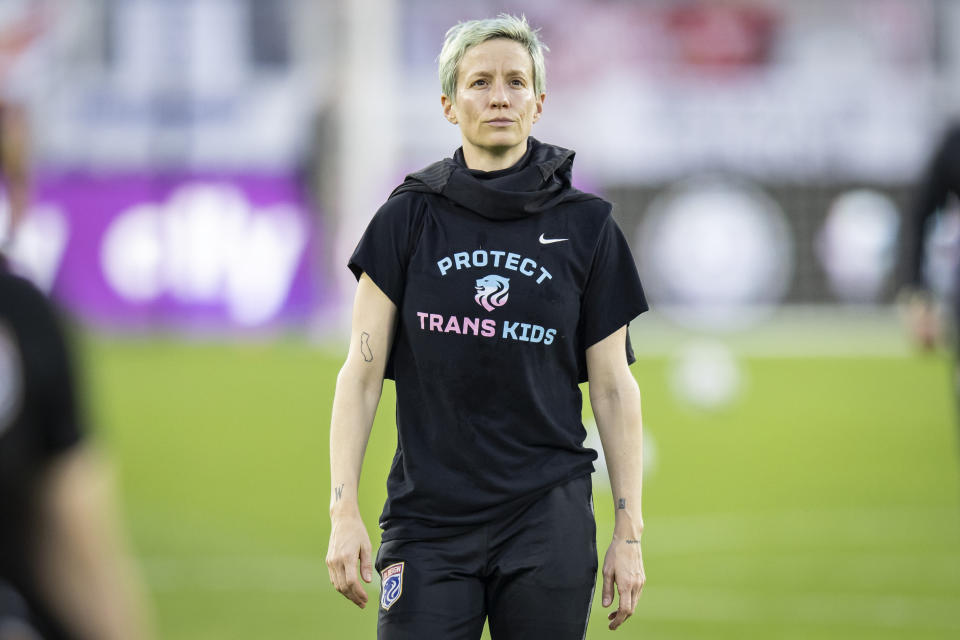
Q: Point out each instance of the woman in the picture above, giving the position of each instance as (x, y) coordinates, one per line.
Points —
(488, 288)
(64, 570)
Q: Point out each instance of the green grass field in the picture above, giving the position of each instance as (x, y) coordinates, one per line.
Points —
(823, 503)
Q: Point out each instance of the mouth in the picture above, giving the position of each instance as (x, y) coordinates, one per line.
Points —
(500, 122)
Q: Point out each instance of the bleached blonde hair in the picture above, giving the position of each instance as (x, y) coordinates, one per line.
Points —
(464, 35)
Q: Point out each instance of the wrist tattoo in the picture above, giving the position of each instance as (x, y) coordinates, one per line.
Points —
(365, 349)
(621, 503)
(338, 491)
(631, 541)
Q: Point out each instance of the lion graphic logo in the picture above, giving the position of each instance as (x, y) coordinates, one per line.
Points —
(492, 292)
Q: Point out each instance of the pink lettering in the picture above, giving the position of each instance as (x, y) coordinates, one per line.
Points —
(471, 325)
(436, 322)
(488, 328)
(452, 325)
(423, 318)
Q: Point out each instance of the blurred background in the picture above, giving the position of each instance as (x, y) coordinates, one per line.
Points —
(202, 169)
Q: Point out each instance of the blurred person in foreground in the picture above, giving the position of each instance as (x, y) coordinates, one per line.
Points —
(941, 179)
(488, 289)
(63, 569)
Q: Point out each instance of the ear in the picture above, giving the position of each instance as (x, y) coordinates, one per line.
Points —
(536, 114)
(449, 110)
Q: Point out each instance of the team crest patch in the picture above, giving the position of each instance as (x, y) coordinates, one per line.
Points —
(391, 585)
(492, 292)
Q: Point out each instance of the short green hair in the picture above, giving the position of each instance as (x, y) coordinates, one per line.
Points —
(464, 35)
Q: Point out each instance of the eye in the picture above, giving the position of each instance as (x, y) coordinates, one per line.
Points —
(478, 83)
(518, 83)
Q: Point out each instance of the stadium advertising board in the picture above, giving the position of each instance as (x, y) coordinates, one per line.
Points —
(204, 252)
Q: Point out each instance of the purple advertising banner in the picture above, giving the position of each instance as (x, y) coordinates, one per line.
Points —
(207, 251)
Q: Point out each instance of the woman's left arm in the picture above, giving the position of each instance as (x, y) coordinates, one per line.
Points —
(615, 398)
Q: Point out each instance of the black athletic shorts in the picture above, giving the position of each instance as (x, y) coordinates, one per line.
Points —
(531, 574)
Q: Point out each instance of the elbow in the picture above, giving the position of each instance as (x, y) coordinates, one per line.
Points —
(614, 391)
(359, 378)
(604, 396)
(618, 405)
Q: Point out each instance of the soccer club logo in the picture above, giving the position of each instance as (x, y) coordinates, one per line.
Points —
(391, 585)
(492, 292)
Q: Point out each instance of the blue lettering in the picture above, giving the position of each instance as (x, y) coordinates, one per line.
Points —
(526, 330)
(481, 258)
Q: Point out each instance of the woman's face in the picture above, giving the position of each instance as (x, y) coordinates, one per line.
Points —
(495, 102)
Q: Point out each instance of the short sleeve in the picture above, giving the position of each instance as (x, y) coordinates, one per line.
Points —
(385, 248)
(49, 407)
(613, 295)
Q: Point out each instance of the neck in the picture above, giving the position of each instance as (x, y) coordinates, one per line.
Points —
(492, 159)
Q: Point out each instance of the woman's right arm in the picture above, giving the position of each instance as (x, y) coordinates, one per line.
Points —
(354, 406)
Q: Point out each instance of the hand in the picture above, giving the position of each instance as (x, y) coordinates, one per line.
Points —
(922, 319)
(348, 543)
(623, 566)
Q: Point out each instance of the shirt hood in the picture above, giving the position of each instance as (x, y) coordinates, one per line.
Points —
(540, 180)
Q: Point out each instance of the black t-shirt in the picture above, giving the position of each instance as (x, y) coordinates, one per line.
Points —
(941, 178)
(38, 421)
(501, 281)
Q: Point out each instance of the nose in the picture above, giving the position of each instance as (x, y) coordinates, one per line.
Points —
(499, 96)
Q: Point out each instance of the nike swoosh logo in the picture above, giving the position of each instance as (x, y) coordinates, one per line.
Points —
(551, 240)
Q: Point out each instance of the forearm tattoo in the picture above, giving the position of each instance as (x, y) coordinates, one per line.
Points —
(621, 503)
(338, 493)
(631, 541)
(365, 349)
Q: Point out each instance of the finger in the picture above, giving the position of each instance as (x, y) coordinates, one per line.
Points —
(339, 575)
(619, 617)
(628, 601)
(330, 572)
(607, 588)
(353, 590)
(625, 609)
(336, 576)
(366, 564)
(358, 595)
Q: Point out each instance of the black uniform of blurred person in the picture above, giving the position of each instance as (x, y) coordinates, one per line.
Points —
(941, 179)
(63, 571)
(488, 288)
